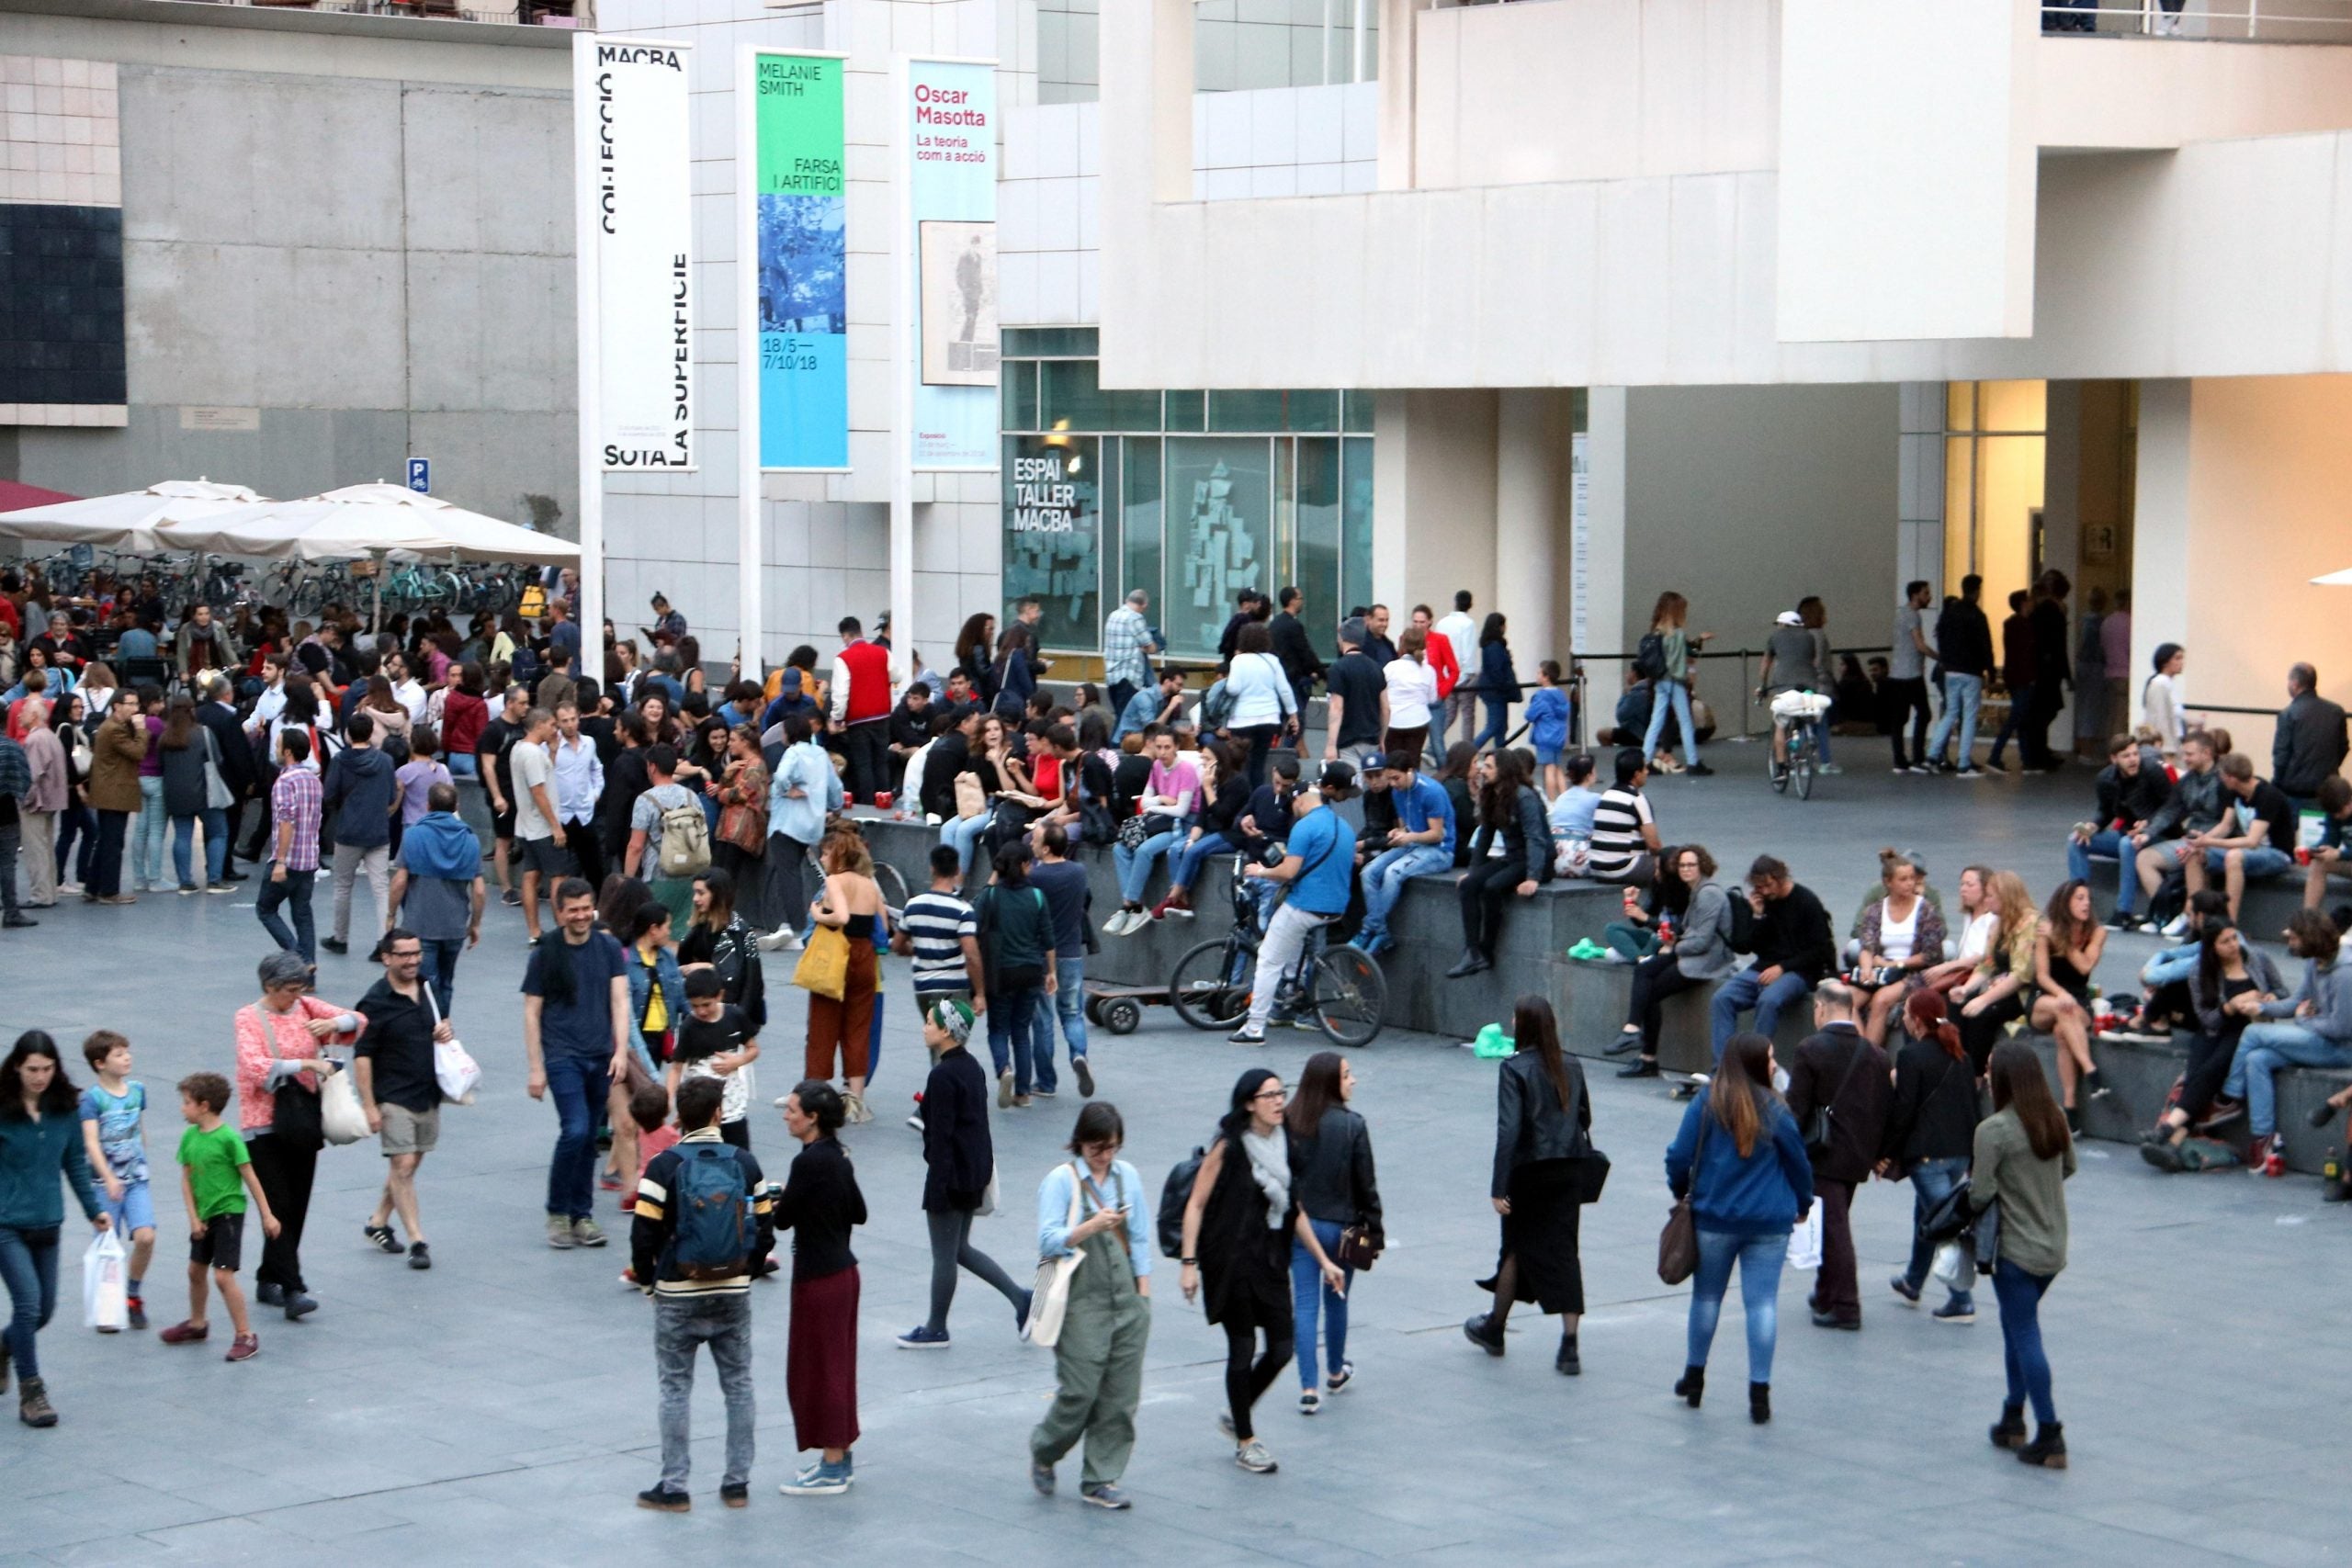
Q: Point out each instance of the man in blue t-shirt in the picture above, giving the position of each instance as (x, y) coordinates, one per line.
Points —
(1063, 882)
(575, 1032)
(1318, 861)
(1422, 844)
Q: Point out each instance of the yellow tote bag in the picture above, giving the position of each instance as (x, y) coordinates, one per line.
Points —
(823, 969)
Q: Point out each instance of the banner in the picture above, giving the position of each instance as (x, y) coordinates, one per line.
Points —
(950, 174)
(800, 222)
(630, 113)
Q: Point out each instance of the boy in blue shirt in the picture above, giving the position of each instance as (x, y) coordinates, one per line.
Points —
(1317, 862)
(114, 1134)
(1421, 845)
(1547, 724)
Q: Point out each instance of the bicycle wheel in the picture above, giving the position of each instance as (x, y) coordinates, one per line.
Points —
(1349, 991)
(1802, 766)
(893, 887)
(1202, 990)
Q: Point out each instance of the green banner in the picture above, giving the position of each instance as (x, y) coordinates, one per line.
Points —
(799, 184)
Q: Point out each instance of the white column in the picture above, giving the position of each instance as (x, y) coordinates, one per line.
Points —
(1531, 454)
(1609, 621)
(2160, 530)
(751, 542)
(589, 611)
(902, 373)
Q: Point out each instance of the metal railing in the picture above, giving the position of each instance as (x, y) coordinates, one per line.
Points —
(2148, 19)
(1580, 694)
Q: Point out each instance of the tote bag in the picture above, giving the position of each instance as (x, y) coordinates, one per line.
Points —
(1049, 1296)
(340, 1116)
(823, 969)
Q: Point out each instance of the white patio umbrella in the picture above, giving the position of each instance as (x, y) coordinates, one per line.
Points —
(2333, 580)
(129, 521)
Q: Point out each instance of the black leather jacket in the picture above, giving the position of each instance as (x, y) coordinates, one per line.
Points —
(1330, 1173)
(1530, 1122)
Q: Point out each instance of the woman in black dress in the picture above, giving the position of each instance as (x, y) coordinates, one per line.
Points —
(2066, 954)
(1543, 1133)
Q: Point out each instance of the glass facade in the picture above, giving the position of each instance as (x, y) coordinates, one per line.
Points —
(1190, 496)
(1993, 446)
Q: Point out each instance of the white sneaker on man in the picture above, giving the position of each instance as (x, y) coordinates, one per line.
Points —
(771, 942)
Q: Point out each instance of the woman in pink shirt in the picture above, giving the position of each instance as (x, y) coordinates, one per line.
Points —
(282, 1039)
(1166, 807)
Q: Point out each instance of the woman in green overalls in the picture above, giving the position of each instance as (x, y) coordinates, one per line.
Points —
(1093, 1205)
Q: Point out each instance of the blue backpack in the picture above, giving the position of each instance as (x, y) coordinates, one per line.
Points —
(714, 1235)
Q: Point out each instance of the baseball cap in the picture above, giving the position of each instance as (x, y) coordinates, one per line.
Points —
(1788, 618)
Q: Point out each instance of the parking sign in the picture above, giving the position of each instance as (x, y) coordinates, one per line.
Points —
(420, 475)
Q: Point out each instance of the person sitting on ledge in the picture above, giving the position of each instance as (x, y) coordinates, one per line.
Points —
(1511, 807)
(2131, 788)
(2328, 859)
(1696, 951)
(2256, 837)
(2065, 954)
(1793, 948)
(1901, 935)
(2234, 980)
(2311, 1029)
(2174, 834)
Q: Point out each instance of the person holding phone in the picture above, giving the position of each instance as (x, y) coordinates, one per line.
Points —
(1098, 1358)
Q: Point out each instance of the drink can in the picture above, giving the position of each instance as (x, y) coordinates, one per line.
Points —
(882, 801)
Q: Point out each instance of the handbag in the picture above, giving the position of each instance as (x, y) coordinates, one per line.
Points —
(340, 1116)
(295, 1116)
(1049, 1296)
(1821, 1127)
(1359, 1247)
(971, 798)
(823, 969)
(1134, 831)
(1677, 1243)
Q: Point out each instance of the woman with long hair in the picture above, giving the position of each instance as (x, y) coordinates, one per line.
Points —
(1740, 1159)
(2233, 981)
(1412, 693)
(2003, 986)
(718, 938)
(1670, 689)
(1215, 832)
(1098, 1358)
(1497, 682)
(1014, 673)
(41, 1139)
(975, 643)
(1462, 793)
(1648, 920)
(1511, 813)
(2023, 1158)
(1930, 1134)
(2066, 952)
(76, 821)
(1977, 921)
(821, 1205)
(1543, 1133)
(1017, 955)
(191, 765)
(843, 1028)
(742, 791)
(154, 822)
(1695, 950)
(657, 1006)
(1239, 1225)
(1333, 1172)
(1901, 935)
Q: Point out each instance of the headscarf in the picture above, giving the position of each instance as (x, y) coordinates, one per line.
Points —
(954, 1016)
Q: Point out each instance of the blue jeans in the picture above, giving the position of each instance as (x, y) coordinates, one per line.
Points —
(2265, 1048)
(2107, 841)
(1962, 695)
(2020, 710)
(2019, 1294)
(1497, 721)
(1741, 992)
(147, 835)
(2259, 861)
(1383, 884)
(215, 846)
(1135, 865)
(1759, 1258)
(295, 893)
(463, 765)
(1069, 1006)
(1675, 694)
(964, 832)
(28, 1270)
(1012, 1017)
(579, 1086)
(439, 969)
(1931, 1182)
(78, 823)
(1185, 865)
(1307, 1293)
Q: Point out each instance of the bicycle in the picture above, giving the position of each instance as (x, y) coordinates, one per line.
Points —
(1794, 714)
(1342, 988)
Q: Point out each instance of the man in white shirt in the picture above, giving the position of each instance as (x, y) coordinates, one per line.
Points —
(272, 700)
(1462, 701)
(541, 845)
(407, 690)
(579, 784)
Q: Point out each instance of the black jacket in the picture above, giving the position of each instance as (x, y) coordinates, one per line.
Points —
(1858, 1110)
(958, 1158)
(1300, 661)
(237, 769)
(1794, 932)
(1331, 1175)
(1934, 1114)
(2135, 799)
(820, 1206)
(1527, 838)
(2309, 745)
(909, 728)
(2050, 640)
(359, 793)
(1964, 639)
(949, 755)
(624, 779)
(1530, 1123)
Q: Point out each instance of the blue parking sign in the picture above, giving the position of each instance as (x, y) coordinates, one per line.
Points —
(420, 475)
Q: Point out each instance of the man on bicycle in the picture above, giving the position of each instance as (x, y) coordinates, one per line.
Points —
(1790, 664)
(1319, 864)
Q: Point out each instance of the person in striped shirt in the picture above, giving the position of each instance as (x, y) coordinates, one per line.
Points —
(940, 933)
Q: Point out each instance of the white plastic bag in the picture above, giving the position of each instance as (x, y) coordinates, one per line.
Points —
(340, 1116)
(1804, 1241)
(453, 1065)
(106, 1288)
(1953, 1268)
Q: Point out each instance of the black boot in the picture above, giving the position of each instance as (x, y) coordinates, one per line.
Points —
(1566, 1363)
(2074, 1121)
(1759, 1402)
(2095, 1081)
(1692, 1387)
(1472, 962)
(1480, 1331)
(2048, 1449)
(1639, 1068)
(2008, 1432)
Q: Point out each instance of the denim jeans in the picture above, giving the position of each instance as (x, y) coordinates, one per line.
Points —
(579, 1086)
(1308, 1294)
(1931, 1182)
(1184, 865)
(1498, 725)
(2259, 861)
(723, 1323)
(1383, 884)
(2106, 842)
(294, 892)
(1069, 1007)
(2021, 718)
(1759, 1258)
(28, 1270)
(1135, 865)
(964, 832)
(147, 838)
(216, 847)
(439, 969)
(1962, 695)
(1012, 1019)
(1741, 992)
(77, 823)
(2019, 1294)
(2265, 1048)
(1671, 695)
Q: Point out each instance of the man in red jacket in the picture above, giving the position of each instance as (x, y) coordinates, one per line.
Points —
(861, 710)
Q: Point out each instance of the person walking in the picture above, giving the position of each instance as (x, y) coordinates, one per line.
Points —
(2019, 665)
(1543, 1135)
(959, 1169)
(1126, 650)
(439, 888)
(1018, 948)
(296, 809)
(840, 1029)
(1240, 1211)
(16, 784)
(1093, 1205)
(821, 1205)
(77, 823)
(1698, 952)
(579, 790)
(802, 793)
(117, 750)
(282, 1040)
(1964, 648)
(1838, 1072)
(1668, 669)
(1461, 634)
(1497, 682)
(41, 1139)
(392, 1067)
(1261, 704)
(360, 796)
(1904, 697)
(575, 1039)
(1930, 1135)
(666, 808)
(2022, 1159)
(1338, 1191)
(1740, 1160)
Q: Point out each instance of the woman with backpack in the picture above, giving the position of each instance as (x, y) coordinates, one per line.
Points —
(1331, 1151)
(1930, 1133)
(1739, 1158)
(1093, 1206)
(1663, 659)
(2023, 1158)
(1017, 946)
(844, 1027)
(959, 1166)
(1238, 1224)
(1543, 1135)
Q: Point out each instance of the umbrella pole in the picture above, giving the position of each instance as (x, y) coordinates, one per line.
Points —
(379, 625)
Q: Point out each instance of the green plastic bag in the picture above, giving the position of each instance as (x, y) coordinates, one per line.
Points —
(1492, 1042)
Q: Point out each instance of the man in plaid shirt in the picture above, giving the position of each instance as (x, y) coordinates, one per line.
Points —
(295, 801)
(1126, 643)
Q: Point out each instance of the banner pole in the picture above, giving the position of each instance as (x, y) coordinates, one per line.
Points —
(589, 611)
(902, 364)
(750, 540)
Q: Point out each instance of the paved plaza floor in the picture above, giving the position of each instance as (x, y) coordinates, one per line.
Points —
(501, 1409)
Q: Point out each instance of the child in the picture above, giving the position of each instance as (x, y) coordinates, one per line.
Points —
(718, 1042)
(215, 1176)
(649, 1108)
(113, 1132)
(1547, 723)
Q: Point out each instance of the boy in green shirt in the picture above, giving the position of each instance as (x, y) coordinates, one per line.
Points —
(215, 1176)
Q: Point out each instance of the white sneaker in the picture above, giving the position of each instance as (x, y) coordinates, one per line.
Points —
(2177, 928)
(1829, 768)
(771, 942)
(1133, 920)
(1117, 925)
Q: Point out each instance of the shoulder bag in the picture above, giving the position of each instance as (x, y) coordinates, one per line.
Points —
(1593, 1166)
(1821, 1127)
(1049, 1296)
(340, 1116)
(1678, 1244)
(823, 969)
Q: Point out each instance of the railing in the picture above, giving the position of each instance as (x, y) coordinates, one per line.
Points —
(1580, 693)
(2148, 19)
(525, 13)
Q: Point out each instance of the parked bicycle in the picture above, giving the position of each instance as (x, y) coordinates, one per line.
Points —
(1340, 989)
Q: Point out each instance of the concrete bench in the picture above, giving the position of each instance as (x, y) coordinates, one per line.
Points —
(2143, 1072)
(2268, 902)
